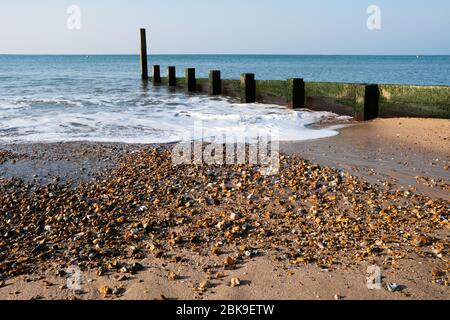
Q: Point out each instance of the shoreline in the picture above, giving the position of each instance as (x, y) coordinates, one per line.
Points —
(408, 150)
(372, 152)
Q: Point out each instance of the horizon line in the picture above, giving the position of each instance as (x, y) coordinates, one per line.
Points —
(220, 54)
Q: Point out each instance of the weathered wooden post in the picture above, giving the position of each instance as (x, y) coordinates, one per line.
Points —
(191, 83)
(248, 88)
(296, 93)
(144, 65)
(156, 74)
(215, 82)
(371, 102)
(171, 77)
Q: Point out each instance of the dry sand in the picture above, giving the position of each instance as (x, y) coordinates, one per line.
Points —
(398, 149)
(261, 279)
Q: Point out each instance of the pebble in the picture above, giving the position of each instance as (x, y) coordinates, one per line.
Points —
(235, 282)
(106, 291)
(392, 287)
(172, 276)
(103, 224)
(229, 261)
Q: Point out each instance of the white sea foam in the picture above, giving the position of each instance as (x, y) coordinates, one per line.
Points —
(150, 118)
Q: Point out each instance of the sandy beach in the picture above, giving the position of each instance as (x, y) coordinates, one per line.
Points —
(408, 151)
(122, 223)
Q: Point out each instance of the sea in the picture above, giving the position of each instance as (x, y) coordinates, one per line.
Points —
(56, 98)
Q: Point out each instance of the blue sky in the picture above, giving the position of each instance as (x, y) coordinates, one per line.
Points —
(226, 26)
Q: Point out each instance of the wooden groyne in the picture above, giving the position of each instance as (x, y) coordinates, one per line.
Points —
(144, 63)
(361, 101)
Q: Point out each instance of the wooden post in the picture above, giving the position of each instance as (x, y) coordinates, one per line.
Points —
(191, 83)
(296, 93)
(215, 82)
(171, 77)
(156, 74)
(248, 88)
(371, 102)
(144, 65)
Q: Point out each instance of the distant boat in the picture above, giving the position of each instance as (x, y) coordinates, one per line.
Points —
(417, 57)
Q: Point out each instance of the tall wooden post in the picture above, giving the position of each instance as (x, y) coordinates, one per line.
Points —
(156, 74)
(296, 93)
(171, 77)
(248, 88)
(191, 83)
(215, 82)
(371, 102)
(144, 65)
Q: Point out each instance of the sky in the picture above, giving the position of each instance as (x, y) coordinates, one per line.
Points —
(417, 27)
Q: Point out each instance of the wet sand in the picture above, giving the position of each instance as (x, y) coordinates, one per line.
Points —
(409, 153)
(72, 161)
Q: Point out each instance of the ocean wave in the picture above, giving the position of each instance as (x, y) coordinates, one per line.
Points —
(158, 118)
